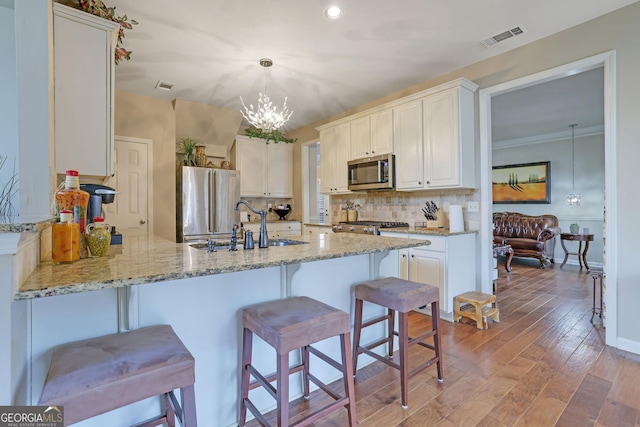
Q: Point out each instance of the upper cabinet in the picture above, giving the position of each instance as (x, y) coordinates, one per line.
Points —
(409, 149)
(431, 133)
(83, 87)
(334, 155)
(372, 135)
(449, 138)
(266, 170)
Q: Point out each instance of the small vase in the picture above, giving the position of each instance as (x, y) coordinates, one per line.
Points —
(574, 228)
(201, 156)
(352, 215)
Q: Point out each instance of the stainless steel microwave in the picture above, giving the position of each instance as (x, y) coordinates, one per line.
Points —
(373, 173)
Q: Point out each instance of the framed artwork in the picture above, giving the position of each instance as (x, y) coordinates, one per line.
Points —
(523, 183)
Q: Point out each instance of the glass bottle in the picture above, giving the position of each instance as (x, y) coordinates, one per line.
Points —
(98, 237)
(65, 239)
(75, 200)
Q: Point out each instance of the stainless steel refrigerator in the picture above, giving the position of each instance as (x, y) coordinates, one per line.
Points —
(205, 201)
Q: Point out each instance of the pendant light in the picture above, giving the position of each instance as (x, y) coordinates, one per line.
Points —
(266, 116)
(573, 198)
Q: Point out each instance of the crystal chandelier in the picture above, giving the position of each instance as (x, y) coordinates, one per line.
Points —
(573, 198)
(266, 116)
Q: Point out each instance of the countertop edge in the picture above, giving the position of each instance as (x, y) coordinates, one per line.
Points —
(80, 287)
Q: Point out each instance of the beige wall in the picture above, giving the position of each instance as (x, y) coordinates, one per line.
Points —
(615, 31)
(210, 125)
(144, 117)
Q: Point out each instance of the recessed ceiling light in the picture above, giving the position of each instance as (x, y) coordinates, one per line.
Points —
(333, 12)
(164, 85)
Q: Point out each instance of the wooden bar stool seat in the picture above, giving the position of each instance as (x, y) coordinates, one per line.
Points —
(289, 324)
(401, 296)
(94, 376)
(475, 306)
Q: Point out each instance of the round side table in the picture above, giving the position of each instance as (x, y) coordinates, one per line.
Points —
(582, 254)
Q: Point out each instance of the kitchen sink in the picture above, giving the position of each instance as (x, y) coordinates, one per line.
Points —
(224, 246)
(285, 242)
(217, 246)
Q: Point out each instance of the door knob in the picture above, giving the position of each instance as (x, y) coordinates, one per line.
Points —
(142, 221)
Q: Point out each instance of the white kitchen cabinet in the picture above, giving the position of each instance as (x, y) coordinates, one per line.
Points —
(334, 155)
(449, 138)
(276, 230)
(84, 91)
(266, 170)
(316, 230)
(448, 263)
(408, 145)
(372, 135)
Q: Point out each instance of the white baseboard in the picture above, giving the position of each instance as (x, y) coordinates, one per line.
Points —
(628, 345)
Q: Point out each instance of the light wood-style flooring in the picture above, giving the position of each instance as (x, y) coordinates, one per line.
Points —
(544, 364)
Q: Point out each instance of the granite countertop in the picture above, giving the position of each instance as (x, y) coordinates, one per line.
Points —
(146, 258)
(22, 226)
(426, 231)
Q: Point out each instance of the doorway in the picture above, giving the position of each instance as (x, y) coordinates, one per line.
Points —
(131, 208)
(607, 61)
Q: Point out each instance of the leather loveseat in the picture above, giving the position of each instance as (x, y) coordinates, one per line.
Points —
(528, 236)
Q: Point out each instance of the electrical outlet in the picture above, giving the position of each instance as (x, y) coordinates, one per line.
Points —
(445, 206)
(473, 206)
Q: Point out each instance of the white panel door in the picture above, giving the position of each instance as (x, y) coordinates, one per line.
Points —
(131, 179)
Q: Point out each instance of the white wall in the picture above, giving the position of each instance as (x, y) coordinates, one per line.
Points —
(589, 182)
(9, 98)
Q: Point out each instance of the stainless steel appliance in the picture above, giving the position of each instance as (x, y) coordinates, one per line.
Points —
(205, 201)
(373, 173)
(366, 227)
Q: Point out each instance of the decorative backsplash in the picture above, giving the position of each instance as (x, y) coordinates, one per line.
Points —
(406, 207)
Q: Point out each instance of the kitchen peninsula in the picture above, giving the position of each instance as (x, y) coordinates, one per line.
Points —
(200, 294)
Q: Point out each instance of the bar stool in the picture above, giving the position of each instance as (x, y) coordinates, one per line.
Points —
(94, 376)
(401, 296)
(286, 325)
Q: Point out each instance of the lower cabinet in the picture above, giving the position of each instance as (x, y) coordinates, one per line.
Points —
(277, 230)
(448, 263)
(314, 230)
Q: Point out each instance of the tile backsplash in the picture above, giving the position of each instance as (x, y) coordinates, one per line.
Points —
(407, 207)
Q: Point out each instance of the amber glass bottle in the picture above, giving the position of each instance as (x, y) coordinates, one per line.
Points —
(65, 239)
(72, 198)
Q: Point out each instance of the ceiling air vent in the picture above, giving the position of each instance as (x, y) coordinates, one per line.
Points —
(164, 85)
(515, 31)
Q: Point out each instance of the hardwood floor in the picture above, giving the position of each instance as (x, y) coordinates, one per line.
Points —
(544, 364)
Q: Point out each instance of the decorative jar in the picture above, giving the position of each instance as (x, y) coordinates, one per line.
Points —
(98, 237)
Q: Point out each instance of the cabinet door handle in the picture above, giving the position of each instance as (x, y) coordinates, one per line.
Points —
(373, 152)
(142, 221)
(420, 182)
(404, 255)
(413, 256)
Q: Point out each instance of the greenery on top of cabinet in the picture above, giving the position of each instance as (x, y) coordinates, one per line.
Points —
(272, 135)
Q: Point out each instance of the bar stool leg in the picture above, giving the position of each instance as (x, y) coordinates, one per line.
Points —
(305, 371)
(169, 413)
(403, 327)
(282, 392)
(347, 369)
(357, 329)
(247, 339)
(391, 327)
(437, 344)
(188, 397)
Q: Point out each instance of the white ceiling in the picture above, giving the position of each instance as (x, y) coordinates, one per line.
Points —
(210, 48)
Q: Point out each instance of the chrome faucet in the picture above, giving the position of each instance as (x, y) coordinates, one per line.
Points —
(234, 239)
(264, 238)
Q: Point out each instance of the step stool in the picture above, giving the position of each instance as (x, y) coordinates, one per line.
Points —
(476, 308)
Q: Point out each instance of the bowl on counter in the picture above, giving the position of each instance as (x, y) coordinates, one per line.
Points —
(282, 211)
